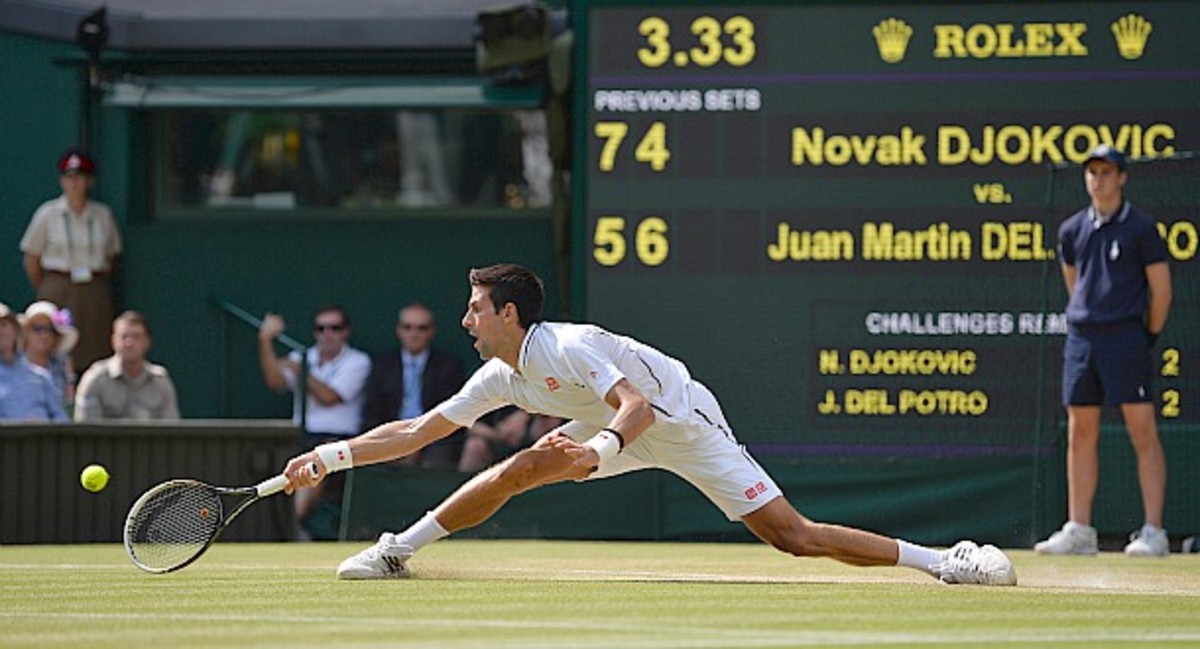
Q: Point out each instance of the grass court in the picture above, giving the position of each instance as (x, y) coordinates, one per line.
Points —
(531, 594)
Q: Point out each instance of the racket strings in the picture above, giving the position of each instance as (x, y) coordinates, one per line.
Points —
(173, 525)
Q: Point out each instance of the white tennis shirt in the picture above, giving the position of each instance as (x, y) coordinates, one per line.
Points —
(566, 369)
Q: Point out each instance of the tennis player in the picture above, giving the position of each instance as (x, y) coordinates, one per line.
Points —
(630, 407)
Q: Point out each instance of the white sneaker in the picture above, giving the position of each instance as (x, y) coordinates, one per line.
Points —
(384, 560)
(1150, 541)
(967, 563)
(1073, 538)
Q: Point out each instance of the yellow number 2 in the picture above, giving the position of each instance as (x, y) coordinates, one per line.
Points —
(1170, 366)
(1170, 404)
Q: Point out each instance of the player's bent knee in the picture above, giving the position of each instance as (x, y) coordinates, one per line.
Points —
(798, 540)
(783, 528)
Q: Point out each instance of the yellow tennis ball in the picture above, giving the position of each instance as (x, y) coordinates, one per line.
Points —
(94, 477)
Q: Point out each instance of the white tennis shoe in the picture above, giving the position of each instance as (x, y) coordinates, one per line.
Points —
(1073, 538)
(384, 560)
(967, 563)
(1150, 541)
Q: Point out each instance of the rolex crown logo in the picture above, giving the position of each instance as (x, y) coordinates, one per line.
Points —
(891, 36)
(1132, 32)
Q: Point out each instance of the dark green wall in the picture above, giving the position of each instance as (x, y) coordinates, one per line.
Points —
(173, 268)
(291, 267)
(39, 117)
(42, 462)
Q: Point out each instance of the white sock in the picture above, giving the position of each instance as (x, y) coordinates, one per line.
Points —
(918, 557)
(421, 533)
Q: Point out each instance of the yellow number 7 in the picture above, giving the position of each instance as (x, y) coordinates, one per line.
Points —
(613, 133)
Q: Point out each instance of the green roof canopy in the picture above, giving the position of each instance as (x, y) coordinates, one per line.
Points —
(318, 93)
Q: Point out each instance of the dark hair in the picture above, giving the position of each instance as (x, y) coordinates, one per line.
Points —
(334, 308)
(512, 283)
(133, 318)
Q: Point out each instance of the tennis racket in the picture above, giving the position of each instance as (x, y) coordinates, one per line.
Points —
(173, 523)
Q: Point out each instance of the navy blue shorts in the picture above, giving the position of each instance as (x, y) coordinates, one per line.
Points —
(1110, 364)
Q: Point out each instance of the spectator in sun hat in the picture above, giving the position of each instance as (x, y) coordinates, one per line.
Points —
(70, 246)
(26, 393)
(10, 347)
(49, 338)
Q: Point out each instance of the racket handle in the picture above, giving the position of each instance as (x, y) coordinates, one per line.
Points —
(276, 484)
(271, 486)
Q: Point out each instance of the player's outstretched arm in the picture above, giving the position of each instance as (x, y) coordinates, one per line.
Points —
(385, 442)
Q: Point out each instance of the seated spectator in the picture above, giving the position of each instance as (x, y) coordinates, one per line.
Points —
(406, 382)
(49, 338)
(126, 385)
(26, 391)
(512, 430)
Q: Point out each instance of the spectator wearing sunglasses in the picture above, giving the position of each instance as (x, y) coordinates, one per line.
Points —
(26, 392)
(334, 384)
(407, 382)
(49, 337)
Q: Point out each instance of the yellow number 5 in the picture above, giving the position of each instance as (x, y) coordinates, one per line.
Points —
(610, 243)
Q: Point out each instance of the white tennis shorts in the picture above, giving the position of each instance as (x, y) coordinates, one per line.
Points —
(703, 451)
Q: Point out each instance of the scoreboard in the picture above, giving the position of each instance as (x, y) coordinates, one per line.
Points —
(843, 217)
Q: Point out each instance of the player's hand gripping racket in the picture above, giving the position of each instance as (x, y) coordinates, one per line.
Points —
(173, 523)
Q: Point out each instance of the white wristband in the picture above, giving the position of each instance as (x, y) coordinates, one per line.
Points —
(605, 444)
(335, 456)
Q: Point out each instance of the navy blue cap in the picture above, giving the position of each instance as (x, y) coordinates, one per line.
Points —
(1108, 154)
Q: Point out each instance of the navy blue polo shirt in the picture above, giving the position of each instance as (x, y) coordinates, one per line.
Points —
(1110, 260)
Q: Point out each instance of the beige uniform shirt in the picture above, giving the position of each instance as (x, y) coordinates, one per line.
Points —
(105, 392)
(67, 241)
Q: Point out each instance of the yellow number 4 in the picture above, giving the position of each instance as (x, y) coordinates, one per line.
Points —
(653, 147)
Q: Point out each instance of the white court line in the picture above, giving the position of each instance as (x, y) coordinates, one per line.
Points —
(558, 574)
(63, 566)
(444, 571)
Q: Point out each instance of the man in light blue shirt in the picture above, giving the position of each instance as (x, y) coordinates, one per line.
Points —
(414, 366)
